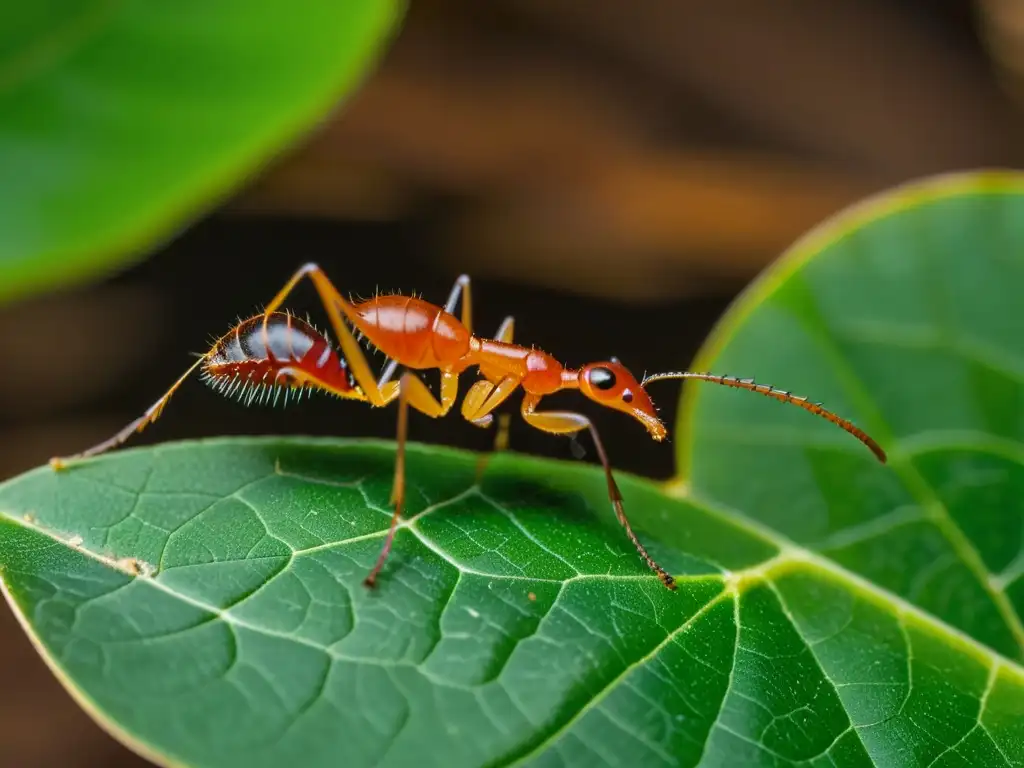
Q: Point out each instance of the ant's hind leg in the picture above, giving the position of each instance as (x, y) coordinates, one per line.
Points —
(335, 304)
(152, 414)
(154, 411)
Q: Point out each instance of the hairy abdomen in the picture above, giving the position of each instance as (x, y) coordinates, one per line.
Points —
(253, 361)
(416, 333)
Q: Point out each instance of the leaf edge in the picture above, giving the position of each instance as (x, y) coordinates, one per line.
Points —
(873, 208)
(72, 268)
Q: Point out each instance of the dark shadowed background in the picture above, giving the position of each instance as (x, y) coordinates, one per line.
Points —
(611, 173)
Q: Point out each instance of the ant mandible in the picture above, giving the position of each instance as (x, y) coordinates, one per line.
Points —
(274, 351)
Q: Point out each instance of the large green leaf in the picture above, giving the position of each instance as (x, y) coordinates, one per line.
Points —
(906, 314)
(514, 622)
(122, 119)
(203, 600)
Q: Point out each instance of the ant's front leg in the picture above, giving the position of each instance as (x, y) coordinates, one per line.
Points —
(569, 423)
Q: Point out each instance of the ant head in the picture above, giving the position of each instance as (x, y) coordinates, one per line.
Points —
(612, 385)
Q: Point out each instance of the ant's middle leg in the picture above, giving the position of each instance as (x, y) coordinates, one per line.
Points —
(504, 333)
(481, 399)
(486, 395)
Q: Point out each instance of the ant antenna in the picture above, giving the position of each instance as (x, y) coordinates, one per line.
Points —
(768, 391)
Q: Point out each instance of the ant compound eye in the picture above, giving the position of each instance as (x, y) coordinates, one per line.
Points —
(627, 396)
(601, 378)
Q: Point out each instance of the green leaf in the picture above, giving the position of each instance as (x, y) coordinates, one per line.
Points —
(204, 602)
(905, 315)
(122, 120)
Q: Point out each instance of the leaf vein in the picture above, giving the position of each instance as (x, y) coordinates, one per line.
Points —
(610, 685)
(817, 662)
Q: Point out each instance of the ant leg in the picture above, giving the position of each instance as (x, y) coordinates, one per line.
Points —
(461, 287)
(484, 396)
(411, 391)
(504, 334)
(505, 330)
(500, 443)
(477, 407)
(152, 414)
(296, 377)
(567, 423)
(335, 304)
(387, 373)
(481, 399)
(501, 434)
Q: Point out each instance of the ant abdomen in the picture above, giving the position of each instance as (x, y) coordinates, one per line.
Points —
(266, 356)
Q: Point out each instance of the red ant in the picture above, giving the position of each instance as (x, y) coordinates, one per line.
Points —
(274, 352)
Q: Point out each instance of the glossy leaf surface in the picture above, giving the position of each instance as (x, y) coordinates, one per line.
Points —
(120, 121)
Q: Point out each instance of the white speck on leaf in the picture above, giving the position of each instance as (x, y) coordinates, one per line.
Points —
(475, 614)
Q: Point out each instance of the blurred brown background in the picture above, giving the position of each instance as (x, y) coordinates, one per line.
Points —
(612, 173)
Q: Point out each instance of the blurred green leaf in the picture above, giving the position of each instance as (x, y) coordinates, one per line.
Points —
(514, 621)
(906, 315)
(121, 120)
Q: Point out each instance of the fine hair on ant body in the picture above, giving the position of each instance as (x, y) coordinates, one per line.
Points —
(274, 351)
